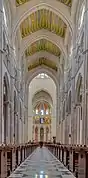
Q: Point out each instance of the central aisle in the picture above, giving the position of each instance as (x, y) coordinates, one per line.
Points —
(41, 164)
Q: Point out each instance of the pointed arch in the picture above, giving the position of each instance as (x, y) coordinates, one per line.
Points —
(56, 7)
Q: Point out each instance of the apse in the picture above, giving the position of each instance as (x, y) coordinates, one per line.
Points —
(42, 108)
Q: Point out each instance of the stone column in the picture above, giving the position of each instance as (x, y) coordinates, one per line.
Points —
(82, 165)
(26, 104)
(3, 164)
(57, 113)
(13, 159)
(61, 155)
(73, 64)
(38, 133)
(22, 154)
(58, 153)
(12, 136)
(78, 124)
(49, 134)
(69, 129)
(8, 127)
(65, 154)
(1, 58)
(71, 161)
(44, 133)
(19, 156)
(85, 118)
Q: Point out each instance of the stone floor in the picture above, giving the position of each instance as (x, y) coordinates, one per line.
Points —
(41, 164)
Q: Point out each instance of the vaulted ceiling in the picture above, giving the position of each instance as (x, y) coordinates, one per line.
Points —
(43, 62)
(42, 95)
(43, 45)
(43, 19)
(46, 23)
(66, 2)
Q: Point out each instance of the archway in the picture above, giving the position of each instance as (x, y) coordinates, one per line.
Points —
(42, 105)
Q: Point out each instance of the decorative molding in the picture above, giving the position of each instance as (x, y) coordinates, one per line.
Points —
(43, 61)
(66, 2)
(42, 45)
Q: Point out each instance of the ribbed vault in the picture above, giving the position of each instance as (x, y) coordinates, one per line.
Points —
(41, 54)
(43, 19)
(43, 34)
(43, 28)
(42, 95)
(42, 45)
(66, 2)
(43, 62)
(60, 8)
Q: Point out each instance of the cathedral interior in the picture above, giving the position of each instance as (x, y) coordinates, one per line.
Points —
(43, 88)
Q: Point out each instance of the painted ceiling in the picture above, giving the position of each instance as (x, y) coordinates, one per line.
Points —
(43, 61)
(42, 45)
(43, 19)
(66, 2)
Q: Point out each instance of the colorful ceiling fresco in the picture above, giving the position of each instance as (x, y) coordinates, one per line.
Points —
(42, 45)
(66, 2)
(43, 61)
(43, 19)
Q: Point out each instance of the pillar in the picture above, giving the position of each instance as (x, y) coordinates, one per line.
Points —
(44, 134)
(8, 127)
(23, 154)
(85, 120)
(71, 161)
(3, 164)
(73, 64)
(1, 58)
(65, 154)
(82, 165)
(19, 156)
(69, 118)
(78, 124)
(38, 134)
(57, 113)
(13, 159)
(60, 154)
